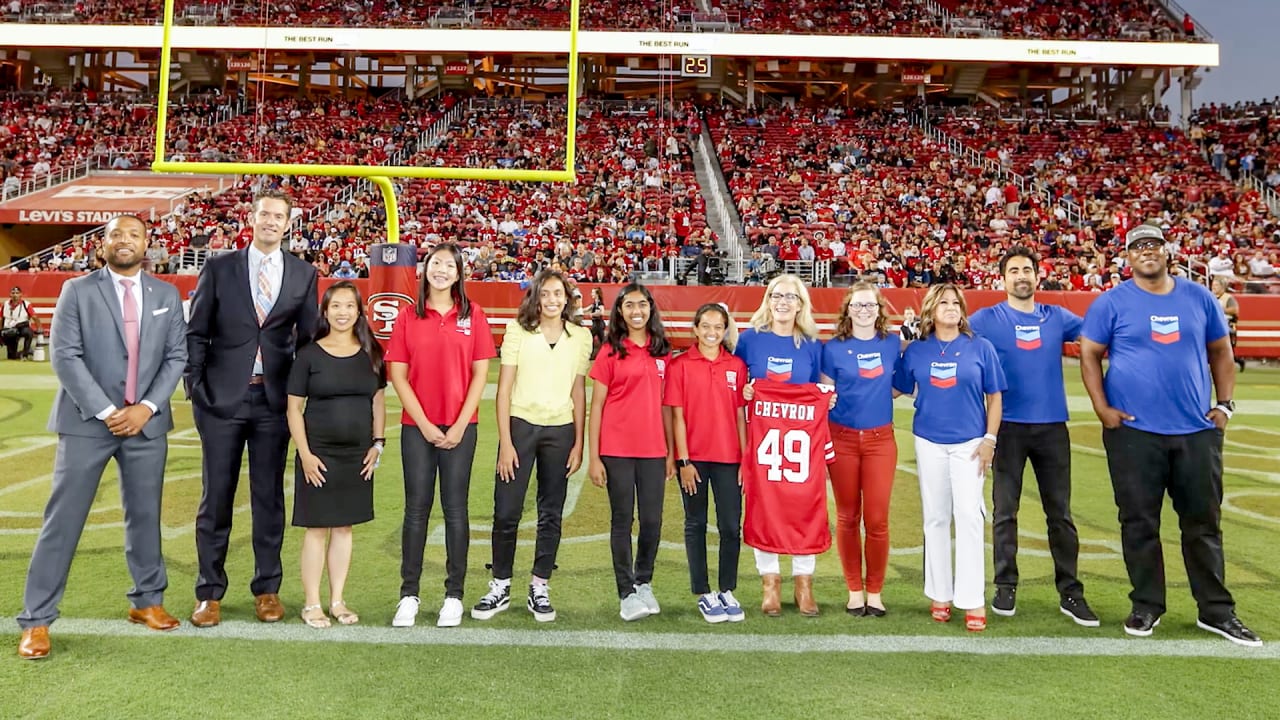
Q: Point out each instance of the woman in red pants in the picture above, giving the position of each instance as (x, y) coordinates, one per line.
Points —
(859, 361)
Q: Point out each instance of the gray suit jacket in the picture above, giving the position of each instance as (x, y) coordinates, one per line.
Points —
(90, 358)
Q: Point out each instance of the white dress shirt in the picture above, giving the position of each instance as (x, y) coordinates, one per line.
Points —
(275, 277)
(136, 290)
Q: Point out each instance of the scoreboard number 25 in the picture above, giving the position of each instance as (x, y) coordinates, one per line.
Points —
(695, 66)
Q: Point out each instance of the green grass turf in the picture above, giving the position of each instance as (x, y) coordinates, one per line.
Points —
(185, 677)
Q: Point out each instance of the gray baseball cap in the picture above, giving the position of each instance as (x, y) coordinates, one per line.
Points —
(1143, 232)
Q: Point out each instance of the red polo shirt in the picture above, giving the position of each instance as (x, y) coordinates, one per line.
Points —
(439, 350)
(710, 391)
(631, 421)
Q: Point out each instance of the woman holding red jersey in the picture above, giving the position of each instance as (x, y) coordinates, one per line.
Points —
(438, 360)
(629, 430)
(709, 427)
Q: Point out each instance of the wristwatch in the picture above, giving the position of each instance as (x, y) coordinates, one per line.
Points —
(1228, 405)
(683, 462)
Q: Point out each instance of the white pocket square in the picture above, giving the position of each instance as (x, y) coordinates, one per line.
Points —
(161, 311)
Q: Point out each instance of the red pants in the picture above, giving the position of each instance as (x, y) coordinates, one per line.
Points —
(862, 481)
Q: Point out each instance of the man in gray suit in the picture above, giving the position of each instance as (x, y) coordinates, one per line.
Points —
(119, 348)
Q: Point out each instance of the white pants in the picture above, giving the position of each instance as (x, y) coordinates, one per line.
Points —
(770, 564)
(951, 487)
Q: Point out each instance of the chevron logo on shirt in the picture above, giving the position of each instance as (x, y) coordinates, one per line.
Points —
(870, 365)
(778, 369)
(942, 375)
(1027, 336)
(1165, 329)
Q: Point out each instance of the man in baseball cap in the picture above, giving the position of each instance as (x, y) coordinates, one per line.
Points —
(1143, 232)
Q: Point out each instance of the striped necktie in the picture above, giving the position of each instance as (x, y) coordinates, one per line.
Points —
(263, 300)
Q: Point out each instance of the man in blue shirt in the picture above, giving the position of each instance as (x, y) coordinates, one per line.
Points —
(1028, 337)
(1166, 336)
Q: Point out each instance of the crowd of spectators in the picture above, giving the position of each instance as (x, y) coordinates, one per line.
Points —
(636, 204)
(867, 189)
(1138, 20)
(1054, 19)
(1242, 139)
(871, 192)
(44, 133)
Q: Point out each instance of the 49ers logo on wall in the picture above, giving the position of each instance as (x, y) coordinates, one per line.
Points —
(382, 311)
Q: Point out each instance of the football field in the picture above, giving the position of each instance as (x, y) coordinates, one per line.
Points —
(588, 663)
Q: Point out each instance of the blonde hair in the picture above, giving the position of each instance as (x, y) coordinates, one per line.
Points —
(929, 306)
(806, 328)
(844, 328)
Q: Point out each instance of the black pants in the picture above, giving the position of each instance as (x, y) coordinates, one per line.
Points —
(636, 487)
(422, 461)
(1048, 447)
(1144, 466)
(721, 480)
(549, 447)
(21, 333)
(266, 434)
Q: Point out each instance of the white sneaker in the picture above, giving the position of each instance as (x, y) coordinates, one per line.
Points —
(406, 612)
(645, 591)
(632, 608)
(731, 607)
(450, 613)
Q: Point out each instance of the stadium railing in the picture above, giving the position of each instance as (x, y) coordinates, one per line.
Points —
(54, 177)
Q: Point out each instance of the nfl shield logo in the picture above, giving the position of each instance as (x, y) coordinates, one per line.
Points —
(389, 255)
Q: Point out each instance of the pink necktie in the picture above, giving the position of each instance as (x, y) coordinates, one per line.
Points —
(130, 342)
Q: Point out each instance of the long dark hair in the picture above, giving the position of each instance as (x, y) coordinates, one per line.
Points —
(529, 314)
(458, 292)
(362, 331)
(618, 328)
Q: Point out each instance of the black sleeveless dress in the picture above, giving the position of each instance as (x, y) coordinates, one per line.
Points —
(339, 422)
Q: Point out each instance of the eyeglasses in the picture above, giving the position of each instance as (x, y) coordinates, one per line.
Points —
(1144, 245)
(784, 297)
(863, 306)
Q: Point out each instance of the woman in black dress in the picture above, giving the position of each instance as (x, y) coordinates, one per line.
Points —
(340, 379)
(596, 311)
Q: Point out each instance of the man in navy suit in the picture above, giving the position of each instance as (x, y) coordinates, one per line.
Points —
(253, 308)
(119, 346)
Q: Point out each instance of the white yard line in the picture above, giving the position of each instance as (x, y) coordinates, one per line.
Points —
(712, 641)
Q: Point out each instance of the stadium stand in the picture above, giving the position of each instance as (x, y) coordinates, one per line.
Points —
(1131, 20)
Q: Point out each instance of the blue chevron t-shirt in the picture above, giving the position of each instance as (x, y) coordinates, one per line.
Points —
(1159, 363)
(774, 357)
(951, 381)
(1030, 349)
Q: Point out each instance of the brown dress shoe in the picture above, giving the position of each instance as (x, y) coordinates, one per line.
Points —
(34, 644)
(804, 596)
(771, 598)
(207, 614)
(153, 617)
(268, 607)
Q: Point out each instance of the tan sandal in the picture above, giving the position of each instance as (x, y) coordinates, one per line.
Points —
(343, 614)
(312, 619)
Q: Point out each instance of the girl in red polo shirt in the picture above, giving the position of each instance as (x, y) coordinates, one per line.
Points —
(629, 430)
(704, 390)
(438, 360)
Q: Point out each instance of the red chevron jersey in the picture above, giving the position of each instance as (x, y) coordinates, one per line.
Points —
(784, 473)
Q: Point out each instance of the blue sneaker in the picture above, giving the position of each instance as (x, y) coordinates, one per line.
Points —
(732, 609)
(711, 609)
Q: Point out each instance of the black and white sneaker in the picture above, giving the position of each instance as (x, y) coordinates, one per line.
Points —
(1231, 629)
(540, 603)
(1078, 610)
(495, 601)
(1141, 624)
(1005, 602)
